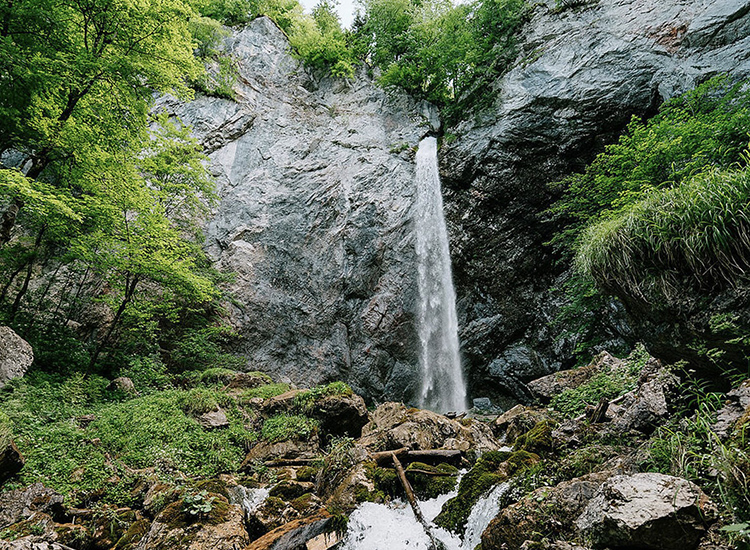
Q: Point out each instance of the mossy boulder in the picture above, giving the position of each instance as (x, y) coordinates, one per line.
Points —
(289, 490)
(133, 535)
(492, 468)
(221, 528)
(537, 440)
(431, 481)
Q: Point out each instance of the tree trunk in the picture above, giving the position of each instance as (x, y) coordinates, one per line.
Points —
(413, 502)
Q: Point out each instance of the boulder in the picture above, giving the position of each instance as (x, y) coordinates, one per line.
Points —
(647, 406)
(213, 420)
(16, 355)
(649, 511)
(32, 543)
(124, 384)
(548, 512)
(222, 528)
(280, 403)
(275, 512)
(736, 408)
(517, 421)
(248, 380)
(341, 415)
(290, 449)
(294, 534)
(11, 460)
(21, 504)
(393, 426)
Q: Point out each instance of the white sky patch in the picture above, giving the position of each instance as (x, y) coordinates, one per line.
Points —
(346, 10)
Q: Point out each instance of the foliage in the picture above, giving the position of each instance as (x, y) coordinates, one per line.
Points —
(304, 401)
(693, 235)
(264, 392)
(444, 53)
(691, 449)
(197, 504)
(285, 426)
(608, 384)
(702, 129)
(148, 431)
(6, 430)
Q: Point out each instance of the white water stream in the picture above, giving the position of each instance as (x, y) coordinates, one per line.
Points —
(443, 387)
(394, 527)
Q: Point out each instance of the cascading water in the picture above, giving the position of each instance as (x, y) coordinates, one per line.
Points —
(393, 526)
(443, 387)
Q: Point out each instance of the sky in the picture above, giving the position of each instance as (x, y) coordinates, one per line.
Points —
(346, 9)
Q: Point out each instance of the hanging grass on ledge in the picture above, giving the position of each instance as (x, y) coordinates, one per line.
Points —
(696, 235)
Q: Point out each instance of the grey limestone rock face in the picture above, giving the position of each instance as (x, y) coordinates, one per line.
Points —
(316, 179)
(16, 355)
(580, 76)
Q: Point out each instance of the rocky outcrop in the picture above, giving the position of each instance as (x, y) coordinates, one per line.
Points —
(11, 460)
(316, 184)
(16, 355)
(581, 74)
(649, 511)
(22, 504)
(735, 412)
(393, 426)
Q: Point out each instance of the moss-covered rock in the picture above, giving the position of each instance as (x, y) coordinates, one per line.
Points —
(538, 440)
(492, 468)
(133, 535)
(307, 473)
(289, 490)
(441, 479)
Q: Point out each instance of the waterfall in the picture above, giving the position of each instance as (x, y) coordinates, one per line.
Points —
(481, 515)
(443, 387)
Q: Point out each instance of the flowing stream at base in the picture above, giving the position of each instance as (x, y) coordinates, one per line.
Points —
(393, 526)
(443, 387)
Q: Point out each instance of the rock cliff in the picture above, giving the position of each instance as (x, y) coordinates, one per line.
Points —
(316, 178)
(582, 72)
(317, 192)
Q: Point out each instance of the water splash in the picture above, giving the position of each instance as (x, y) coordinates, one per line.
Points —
(481, 515)
(443, 387)
(393, 526)
(249, 499)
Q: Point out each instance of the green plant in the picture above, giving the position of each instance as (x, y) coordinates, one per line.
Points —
(198, 504)
(285, 426)
(304, 401)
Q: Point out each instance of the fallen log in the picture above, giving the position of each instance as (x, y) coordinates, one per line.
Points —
(413, 501)
(430, 455)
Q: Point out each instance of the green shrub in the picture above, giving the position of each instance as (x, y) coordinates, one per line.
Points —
(217, 376)
(607, 384)
(305, 400)
(284, 426)
(695, 235)
(264, 392)
(147, 373)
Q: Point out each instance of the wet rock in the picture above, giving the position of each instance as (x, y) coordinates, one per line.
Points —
(736, 409)
(393, 425)
(21, 504)
(275, 512)
(16, 355)
(294, 534)
(214, 420)
(220, 529)
(11, 460)
(649, 511)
